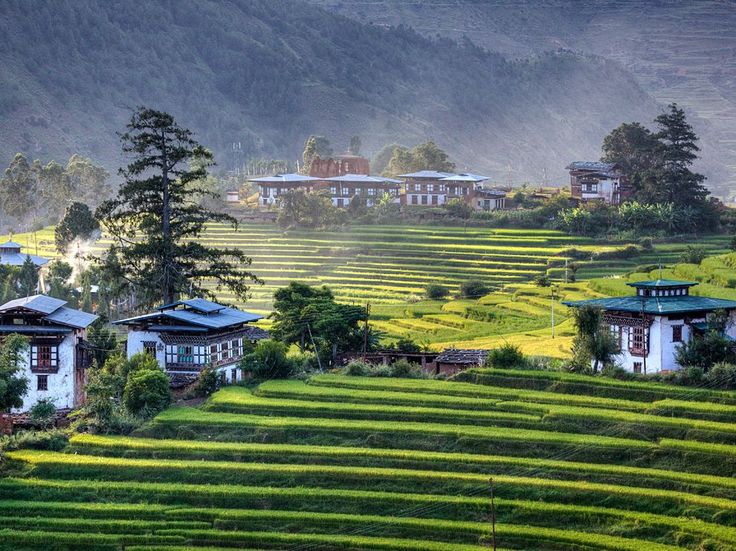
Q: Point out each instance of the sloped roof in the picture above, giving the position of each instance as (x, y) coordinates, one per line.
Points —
(11, 245)
(17, 259)
(284, 179)
(463, 356)
(596, 166)
(661, 283)
(52, 309)
(465, 177)
(428, 174)
(657, 305)
(362, 178)
(196, 313)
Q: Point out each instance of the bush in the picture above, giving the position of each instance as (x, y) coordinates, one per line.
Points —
(358, 368)
(43, 412)
(406, 345)
(268, 361)
(207, 383)
(722, 375)
(693, 254)
(542, 280)
(473, 289)
(53, 440)
(406, 369)
(507, 356)
(147, 392)
(435, 291)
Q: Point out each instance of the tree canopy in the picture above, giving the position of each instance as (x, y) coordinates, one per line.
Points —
(156, 216)
(425, 156)
(13, 385)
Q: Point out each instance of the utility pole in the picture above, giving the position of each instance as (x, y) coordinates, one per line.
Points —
(552, 304)
(365, 329)
(493, 514)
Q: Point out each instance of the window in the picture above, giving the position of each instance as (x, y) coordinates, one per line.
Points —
(223, 377)
(44, 356)
(414, 200)
(371, 191)
(214, 353)
(185, 354)
(265, 201)
(225, 350)
(442, 188)
(434, 199)
(424, 199)
(416, 187)
(42, 382)
(636, 340)
(430, 188)
(590, 188)
(333, 190)
(149, 347)
(677, 333)
(637, 367)
(234, 375)
(616, 333)
(346, 191)
(339, 202)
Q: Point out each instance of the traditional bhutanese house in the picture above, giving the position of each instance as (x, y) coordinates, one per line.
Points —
(11, 255)
(454, 360)
(58, 356)
(597, 181)
(188, 335)
(343, 189)
(432, 188)
(232, 196)
(339, 165)
(488, 199)
(650, 325)
(271, 188)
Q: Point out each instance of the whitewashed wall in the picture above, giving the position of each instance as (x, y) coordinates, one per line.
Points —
(60, 384)
(136, 340)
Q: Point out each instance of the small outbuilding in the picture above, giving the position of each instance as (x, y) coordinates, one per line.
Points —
(454, 360)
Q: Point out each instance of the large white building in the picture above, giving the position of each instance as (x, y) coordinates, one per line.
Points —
(56, 362)
(188, 335)
(650, 325)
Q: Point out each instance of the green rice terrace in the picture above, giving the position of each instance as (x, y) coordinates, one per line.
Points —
(576, 463)
(390, 267)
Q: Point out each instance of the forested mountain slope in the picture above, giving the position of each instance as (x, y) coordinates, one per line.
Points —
(679, 50)
(267, 73)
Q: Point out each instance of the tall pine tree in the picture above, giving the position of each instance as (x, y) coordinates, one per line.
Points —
(156, 216)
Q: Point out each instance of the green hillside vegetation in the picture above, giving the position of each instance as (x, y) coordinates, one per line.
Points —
(362, 463)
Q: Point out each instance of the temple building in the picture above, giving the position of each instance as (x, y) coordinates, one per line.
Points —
(597, 181)
(188, 335)
(650, 325)
(339, 165)
(11, 255)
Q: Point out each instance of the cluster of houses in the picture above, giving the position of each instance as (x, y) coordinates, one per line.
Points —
(188, 335)
(347, 177)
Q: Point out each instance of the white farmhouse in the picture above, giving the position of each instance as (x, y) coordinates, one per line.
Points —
(188, 335)
(653, 323)
(55, 364)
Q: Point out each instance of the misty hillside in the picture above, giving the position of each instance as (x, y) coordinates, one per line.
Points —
(267, 73)
(679, 50)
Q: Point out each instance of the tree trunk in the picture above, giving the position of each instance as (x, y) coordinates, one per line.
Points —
(166, 287)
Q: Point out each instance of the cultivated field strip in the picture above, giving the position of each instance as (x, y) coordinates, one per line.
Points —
(394, 464)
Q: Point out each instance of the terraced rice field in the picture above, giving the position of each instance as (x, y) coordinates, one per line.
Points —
(395, 464)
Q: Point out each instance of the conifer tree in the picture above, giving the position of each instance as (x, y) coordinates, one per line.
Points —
(28, 278)
(156, 216)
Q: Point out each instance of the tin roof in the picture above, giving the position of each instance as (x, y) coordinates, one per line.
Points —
(462, 356)
(661, 283)
(362, 178)
(284, 179)
(195, 314)
(11, 245)
(596, 166)
(658, 305)
(17, 259)
(199, 304)
(52, 309)
(465, 177)
(428, 174)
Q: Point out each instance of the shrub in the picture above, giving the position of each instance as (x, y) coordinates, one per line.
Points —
(207, 383)
(693, 254)
(407, 345)
(732, 244)
(722, 375)
(646, 243)
(268, 361)
(358, 368)
(436, 291)
(473, 288)
(542, 280)
(42, 413)
(406, 369)
(53, 440)
(147, 392)
(507, 356)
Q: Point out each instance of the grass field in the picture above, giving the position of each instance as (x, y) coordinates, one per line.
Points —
(390, 266)
(395, 464)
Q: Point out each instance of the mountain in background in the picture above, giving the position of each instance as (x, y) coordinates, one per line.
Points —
(265, 74)
(679, 50)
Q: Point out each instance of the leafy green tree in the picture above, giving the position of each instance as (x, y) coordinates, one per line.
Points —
(634, 148)
(506, 356)
(147, 391)
(310, 317)
(380, 161)
(88, 182)
(316, 147)
(28, 278)
(78, 222)
(457, 208)
(425, 156)
(308, 210)
(593, 344)
(155, 218)
(54, 189)
(473, 288)
(355, 145)
(58, 278)
(42, 412)
(710, 347)
(13, 385)
(18, 188)
(103, 343)
(435, 291)
(268, 361)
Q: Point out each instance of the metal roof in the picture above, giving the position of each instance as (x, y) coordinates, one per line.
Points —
(284, 179)
(428, 174)
(11, 245)
(199, 313)
(661, 283)
(362, 178)
(465, 177)
(596, 166)
(38, 303)
(52, 309)
(657, 305)
(74, 318)
(34, 329)
(199, 304)
(17, 259)
(463, 356)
